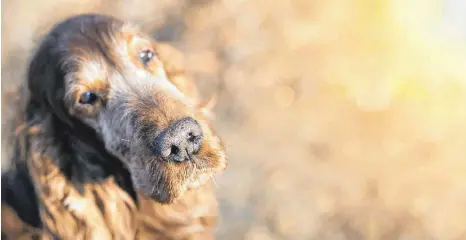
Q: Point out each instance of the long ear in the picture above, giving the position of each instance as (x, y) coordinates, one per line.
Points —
(46, 79)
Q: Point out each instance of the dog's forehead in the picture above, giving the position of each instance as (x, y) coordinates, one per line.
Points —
(97, 55)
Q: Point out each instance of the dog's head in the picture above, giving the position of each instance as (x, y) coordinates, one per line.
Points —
(109, 76)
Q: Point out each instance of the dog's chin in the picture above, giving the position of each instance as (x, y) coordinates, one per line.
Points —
(168, 182)
(171, 192)
(199, 181)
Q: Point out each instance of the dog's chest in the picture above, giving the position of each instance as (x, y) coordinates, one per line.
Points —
(102, 211)
(105, 211)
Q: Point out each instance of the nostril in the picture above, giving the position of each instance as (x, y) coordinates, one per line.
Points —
(174, 150)
(175, 154)
(192, 137)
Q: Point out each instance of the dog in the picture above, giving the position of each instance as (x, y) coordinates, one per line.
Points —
(114, 142)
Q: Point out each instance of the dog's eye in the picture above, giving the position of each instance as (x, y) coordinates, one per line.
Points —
(88, 98)
(146, 56)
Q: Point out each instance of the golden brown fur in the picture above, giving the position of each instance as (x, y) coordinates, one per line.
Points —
(90, 179)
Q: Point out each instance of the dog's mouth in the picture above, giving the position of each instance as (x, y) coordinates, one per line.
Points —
(204, 170)
(199, 178)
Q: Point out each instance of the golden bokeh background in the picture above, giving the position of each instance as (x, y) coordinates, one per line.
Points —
(344, 119)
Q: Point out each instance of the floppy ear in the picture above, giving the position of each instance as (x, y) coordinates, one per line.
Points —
(46, 79)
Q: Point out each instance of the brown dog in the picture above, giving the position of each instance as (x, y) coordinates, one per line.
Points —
(115, 146)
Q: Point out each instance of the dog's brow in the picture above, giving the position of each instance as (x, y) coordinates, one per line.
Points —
(106, 55)
(92, 70)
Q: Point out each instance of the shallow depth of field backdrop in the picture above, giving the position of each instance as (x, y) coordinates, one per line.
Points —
(344, 119)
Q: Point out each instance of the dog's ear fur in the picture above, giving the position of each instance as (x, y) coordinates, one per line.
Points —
(46, 79)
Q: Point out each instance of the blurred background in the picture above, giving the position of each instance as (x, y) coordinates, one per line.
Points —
(344, 119)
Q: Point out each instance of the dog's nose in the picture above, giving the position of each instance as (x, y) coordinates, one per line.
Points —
(180, 141)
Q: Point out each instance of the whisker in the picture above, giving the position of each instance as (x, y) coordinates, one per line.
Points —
(213, 180)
